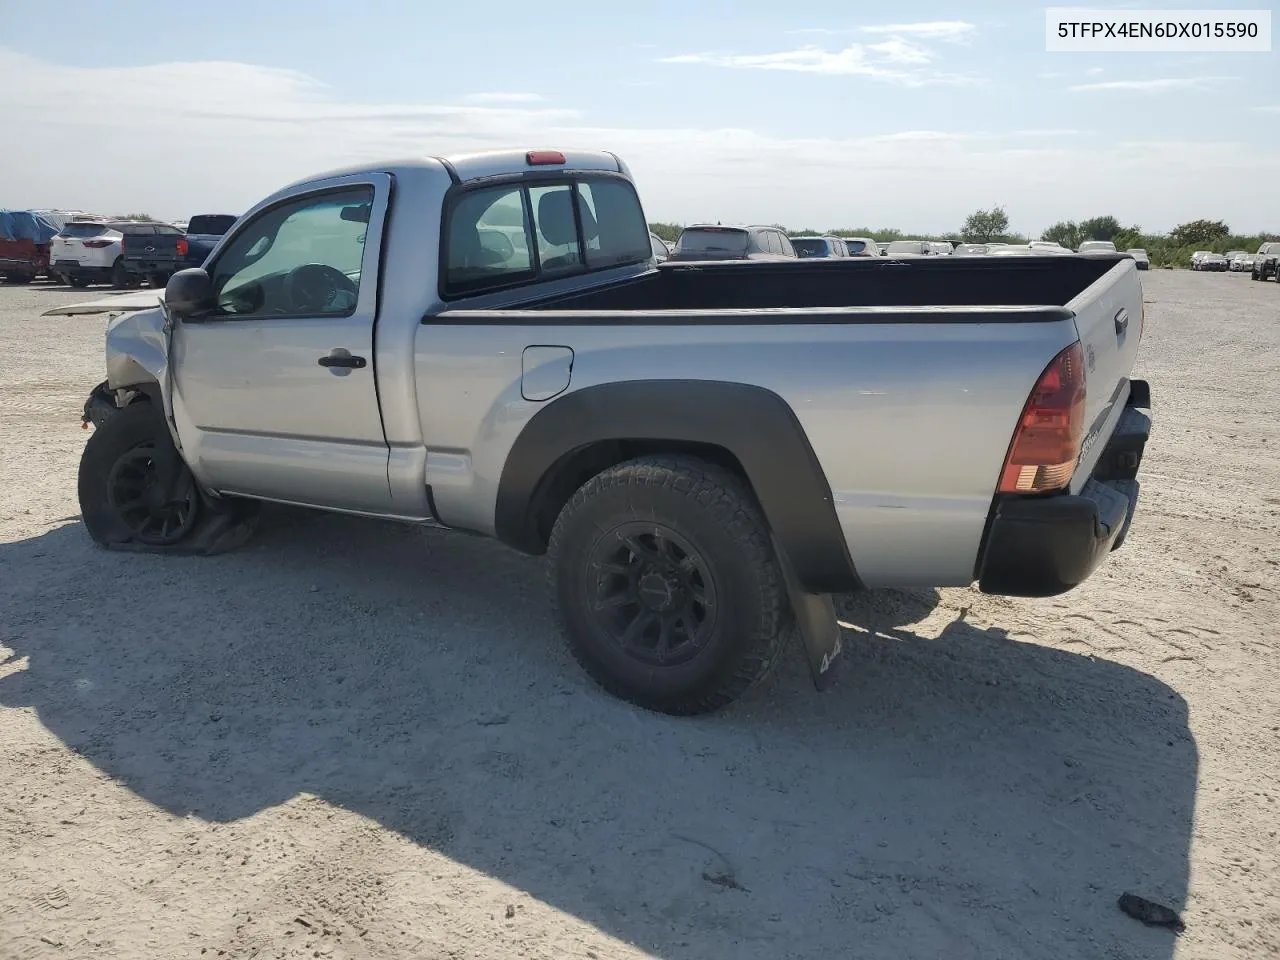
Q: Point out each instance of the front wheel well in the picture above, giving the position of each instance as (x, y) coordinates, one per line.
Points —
(571, 471)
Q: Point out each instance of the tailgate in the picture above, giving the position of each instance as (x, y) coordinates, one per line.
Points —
(1109, 322)
(153, 249)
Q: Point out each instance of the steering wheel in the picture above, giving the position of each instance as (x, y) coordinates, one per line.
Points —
(313, 286)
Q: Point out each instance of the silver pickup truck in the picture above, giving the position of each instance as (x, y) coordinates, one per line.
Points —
(706, 452)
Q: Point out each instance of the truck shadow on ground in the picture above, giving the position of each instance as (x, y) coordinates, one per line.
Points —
(963, 796)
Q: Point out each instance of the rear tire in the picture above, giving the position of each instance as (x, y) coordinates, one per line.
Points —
(79, 281)
(663, 575)
(121, 279)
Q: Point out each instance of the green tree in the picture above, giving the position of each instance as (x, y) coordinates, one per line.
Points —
(983, 225)
(1064, 232)
(1201, 232)
(1098, 228)
(669, 232)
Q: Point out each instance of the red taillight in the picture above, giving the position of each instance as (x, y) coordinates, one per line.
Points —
(97, 244)
(181, 246)
(1046, 443)
(537, 158)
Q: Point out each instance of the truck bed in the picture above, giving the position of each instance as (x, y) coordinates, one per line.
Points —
(926, 282)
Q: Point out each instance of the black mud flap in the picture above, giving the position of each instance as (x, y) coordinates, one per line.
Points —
(816, 623)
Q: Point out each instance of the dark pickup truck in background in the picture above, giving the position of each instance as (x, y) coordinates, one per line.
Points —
(156, 258)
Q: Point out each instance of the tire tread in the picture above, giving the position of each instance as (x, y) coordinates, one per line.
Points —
(731, 505)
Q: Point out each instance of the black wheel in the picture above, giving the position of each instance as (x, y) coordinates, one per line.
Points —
(121, 498)
(78, 280)
(663, 575)
(121, 279)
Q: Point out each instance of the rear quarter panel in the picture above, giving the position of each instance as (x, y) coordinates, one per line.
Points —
(1109, 352)
(911, 421)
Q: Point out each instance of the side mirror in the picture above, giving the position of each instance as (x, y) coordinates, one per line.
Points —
(189, 294)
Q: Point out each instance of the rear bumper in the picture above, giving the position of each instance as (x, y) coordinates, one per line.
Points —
(74, 268)
(1044, 546)
(146, 266)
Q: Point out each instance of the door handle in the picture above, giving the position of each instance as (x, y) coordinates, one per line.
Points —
(350, 362)
(1122, 321)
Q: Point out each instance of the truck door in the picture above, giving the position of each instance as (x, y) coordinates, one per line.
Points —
(274, 392)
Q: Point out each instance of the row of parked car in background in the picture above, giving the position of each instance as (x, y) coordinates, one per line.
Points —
(80, 249)
(705, 241)
(1260, 265)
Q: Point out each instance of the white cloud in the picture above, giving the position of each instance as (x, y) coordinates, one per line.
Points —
(1095, 71)
(505, 98)
(132, 138)
(1162, 85)
(949, 30)
(893, 61)
(1268, 109)
(898, 50)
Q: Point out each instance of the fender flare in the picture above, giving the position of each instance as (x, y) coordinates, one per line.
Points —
(752, 423)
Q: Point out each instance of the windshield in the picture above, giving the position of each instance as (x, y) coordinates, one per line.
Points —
(712, 239)
(811, 247)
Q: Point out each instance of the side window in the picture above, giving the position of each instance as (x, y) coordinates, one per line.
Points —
(488, 240)
(771, 242)
(299, 259)
(757, 242)
(659, 247)
(556, 229)
(613, 224)
(784, 245)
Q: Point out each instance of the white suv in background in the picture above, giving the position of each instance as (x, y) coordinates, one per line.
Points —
(88, 250)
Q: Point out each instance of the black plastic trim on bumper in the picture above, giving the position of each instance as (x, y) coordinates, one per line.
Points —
(100, 405)
(1044, 546)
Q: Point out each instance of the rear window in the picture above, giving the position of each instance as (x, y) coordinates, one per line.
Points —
(210, 225)
(907, 246)
(84, 230)
(810, 248)
(856, 246)
(510, 234)
(712, 240)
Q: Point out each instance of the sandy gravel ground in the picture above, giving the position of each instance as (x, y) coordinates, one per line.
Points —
(356, 740)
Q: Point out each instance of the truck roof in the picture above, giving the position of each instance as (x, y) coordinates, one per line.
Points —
(472, 166)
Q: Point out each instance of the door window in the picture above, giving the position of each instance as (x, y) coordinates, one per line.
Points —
(301, 258)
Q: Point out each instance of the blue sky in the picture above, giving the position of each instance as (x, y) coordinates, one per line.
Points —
(821, 115)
